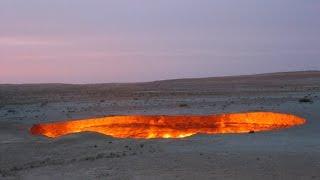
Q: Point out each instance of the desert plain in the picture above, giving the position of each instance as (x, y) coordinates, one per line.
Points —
(292, 153)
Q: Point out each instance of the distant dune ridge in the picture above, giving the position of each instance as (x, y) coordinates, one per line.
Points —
(287, 75)
(18, 93)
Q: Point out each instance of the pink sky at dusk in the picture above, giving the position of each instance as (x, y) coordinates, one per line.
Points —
(125, 41)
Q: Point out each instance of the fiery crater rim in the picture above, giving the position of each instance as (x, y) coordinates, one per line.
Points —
(170, 126)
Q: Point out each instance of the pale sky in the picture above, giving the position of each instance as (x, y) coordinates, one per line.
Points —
(101, 41)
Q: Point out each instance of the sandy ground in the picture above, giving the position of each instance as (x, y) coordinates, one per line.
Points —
(286, 154)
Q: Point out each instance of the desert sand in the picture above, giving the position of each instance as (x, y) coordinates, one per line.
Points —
(280, 154)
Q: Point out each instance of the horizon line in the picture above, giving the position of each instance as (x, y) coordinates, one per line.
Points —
(173, 79)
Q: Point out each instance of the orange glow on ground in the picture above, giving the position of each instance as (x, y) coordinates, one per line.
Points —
(160, 126)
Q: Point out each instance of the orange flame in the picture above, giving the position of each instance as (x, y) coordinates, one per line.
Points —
(161, 126)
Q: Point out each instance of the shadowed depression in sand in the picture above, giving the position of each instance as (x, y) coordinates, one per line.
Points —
(162, 126)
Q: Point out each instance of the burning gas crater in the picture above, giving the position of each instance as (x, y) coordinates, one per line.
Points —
(161, 126)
